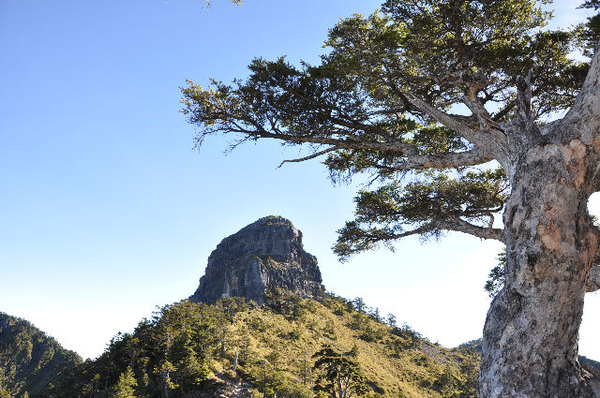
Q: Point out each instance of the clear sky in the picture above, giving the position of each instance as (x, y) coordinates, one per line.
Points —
(106, 211)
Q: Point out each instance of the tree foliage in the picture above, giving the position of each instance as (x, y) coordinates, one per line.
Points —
(589, 32)
(414, 96)
(29, 359)
(342, 377)
(125, 387)
(497, 276)
(207, 3)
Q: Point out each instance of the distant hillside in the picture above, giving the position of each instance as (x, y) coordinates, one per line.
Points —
(29, 359)
(286, 349)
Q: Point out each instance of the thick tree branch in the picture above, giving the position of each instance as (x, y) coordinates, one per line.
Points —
(502, 113)
(442, 161)
(483, 139)
(468, 228)
(590, 90)
(524, 108)
(444, 118)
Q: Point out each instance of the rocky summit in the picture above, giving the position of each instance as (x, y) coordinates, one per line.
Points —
(265, 255)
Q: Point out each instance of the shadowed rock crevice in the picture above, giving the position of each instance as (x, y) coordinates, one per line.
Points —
(261, 257)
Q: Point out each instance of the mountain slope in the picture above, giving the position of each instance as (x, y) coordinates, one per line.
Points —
(29, 359)
(286, 348)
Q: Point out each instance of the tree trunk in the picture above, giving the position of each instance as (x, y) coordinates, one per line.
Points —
(532, 328)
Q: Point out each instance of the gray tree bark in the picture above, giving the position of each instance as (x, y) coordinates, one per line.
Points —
(530, 344)
(531, 332)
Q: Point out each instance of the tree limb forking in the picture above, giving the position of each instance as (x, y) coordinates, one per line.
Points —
(492, 143)
(486, 122)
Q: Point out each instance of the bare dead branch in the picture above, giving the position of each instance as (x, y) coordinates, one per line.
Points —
(314, 155)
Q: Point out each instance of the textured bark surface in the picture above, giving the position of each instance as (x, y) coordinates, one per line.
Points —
(531, 332)
(594, 281)
(532, 328)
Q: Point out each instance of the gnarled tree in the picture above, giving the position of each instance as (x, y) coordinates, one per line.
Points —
(460, 110)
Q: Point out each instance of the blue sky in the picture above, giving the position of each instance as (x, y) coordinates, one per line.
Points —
(106, 211)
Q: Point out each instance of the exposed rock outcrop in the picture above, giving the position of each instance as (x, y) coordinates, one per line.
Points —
(262, 256)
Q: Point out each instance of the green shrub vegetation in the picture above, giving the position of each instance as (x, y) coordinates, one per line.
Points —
(290, 347)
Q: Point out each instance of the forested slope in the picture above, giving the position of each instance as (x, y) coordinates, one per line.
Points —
(291, 347)
(29, 359)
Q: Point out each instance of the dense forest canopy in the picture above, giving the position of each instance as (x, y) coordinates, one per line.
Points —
(29, 359)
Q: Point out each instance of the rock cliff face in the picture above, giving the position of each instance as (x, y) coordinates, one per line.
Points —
(264, 255)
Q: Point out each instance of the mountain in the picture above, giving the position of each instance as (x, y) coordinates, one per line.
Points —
(265, 255)
(259, 324)
(285, 348)
(29, 359)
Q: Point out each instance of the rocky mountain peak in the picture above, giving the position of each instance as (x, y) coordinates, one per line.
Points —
(260, 257)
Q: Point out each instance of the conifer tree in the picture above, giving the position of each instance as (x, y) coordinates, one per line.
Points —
(341, 375)
(125, 387)
(5, 394)
(459, 110)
